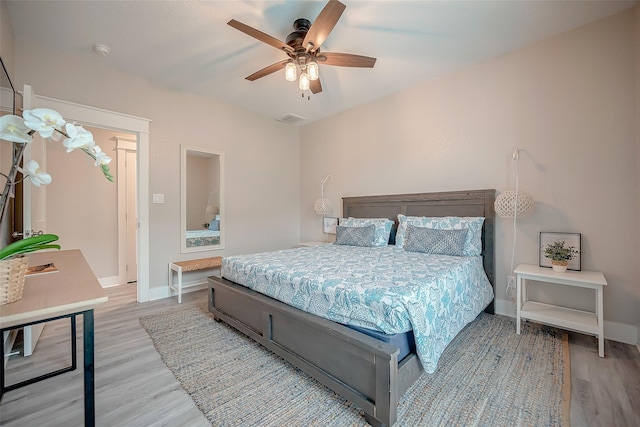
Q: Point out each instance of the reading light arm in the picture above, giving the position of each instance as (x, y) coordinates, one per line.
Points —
(322, 183)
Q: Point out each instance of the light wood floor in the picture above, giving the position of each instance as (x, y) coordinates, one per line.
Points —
(134, 388)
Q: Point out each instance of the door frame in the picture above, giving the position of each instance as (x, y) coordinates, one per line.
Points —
(124, 145)
(139, 127)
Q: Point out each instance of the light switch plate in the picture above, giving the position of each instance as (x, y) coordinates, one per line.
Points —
(158, 198)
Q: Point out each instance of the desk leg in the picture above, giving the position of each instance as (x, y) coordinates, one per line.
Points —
(2, 374)
(518, 302)
(89, 384)
(600, 319)
(170, 271)
(4, 388)
(74, 344)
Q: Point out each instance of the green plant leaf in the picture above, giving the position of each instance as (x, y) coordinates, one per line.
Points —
(30, 244)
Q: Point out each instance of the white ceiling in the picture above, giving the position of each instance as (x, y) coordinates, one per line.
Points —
(188, 46)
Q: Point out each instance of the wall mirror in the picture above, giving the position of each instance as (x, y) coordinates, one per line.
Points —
(202, 199)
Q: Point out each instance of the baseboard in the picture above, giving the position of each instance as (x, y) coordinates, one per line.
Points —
(621, 332)
(613, 331)
(161, 292)
(505, 308)
(107, 282)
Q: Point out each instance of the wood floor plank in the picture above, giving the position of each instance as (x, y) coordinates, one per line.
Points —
(135, 388)
(604, 390)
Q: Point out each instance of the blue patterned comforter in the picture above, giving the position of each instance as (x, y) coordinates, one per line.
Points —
(379, 288)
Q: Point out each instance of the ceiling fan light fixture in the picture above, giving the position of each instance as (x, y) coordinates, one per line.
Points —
(302, 46)
(304, 81)
(290, 71)
(312, 70)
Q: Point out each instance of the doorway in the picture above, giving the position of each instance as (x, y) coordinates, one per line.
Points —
(138, 128)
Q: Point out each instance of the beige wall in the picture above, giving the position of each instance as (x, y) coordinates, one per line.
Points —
(6, 52)
(6, 38)
(82, 205)
(261, 160)
(566, 103)
(637, 166)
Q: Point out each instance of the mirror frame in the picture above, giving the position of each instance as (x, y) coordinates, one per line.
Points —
(10, 89)
(7, 106)
(184, 150)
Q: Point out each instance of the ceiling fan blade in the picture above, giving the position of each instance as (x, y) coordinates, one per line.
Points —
(323, 25)
(315, 86)
(257, 34)
(345, 60)
(267, 70)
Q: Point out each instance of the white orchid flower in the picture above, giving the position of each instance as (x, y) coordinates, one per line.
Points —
(43, 120)
(101, 157)
(13, 129)
(36, 176)
(77, 137)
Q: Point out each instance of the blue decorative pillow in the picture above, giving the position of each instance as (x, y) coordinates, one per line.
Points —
(382, 227)
(355, 236)
(433, 241)
(473, 244)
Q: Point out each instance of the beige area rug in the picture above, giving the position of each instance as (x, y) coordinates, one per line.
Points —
(488, 376)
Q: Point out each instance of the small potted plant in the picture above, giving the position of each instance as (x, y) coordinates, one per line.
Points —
(560, 255)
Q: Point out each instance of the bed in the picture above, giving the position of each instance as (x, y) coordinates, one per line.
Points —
(197, 238)
(360, 368)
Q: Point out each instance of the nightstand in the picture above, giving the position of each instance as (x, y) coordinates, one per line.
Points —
(555, 315)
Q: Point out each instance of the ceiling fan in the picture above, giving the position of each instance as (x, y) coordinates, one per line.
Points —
(303, 49)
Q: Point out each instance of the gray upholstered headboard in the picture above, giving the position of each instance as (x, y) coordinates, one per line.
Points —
(448, 203)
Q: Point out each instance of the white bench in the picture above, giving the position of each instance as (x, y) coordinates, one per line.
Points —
(191, 265)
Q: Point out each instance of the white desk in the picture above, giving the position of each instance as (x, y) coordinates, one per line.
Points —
(563, 317)
(67, 293)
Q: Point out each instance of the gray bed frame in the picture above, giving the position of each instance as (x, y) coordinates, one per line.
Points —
(360, 368)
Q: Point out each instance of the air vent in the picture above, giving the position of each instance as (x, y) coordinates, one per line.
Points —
(290, 118)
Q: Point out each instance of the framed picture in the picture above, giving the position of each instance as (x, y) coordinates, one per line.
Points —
(329, 225)
(570, 239)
